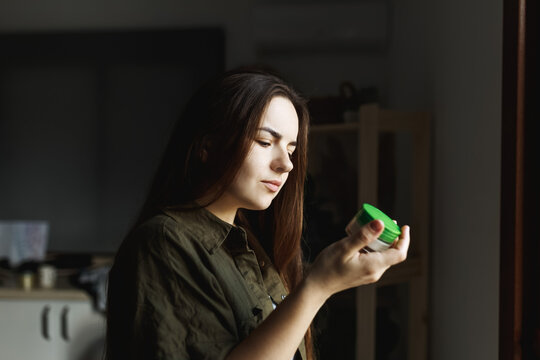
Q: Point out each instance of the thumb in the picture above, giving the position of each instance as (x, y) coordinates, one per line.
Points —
(366, 235)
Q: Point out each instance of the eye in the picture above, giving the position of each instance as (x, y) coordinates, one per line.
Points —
(291, 150)
(263, 143)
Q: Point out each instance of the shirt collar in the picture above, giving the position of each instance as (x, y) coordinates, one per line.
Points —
(211, 230)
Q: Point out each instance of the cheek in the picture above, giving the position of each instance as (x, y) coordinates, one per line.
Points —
(245, 175)
(285, 178)
(254, 165)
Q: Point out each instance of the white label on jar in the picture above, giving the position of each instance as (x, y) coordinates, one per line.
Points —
(378, 245)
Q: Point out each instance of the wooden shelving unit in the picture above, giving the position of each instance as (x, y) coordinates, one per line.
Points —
(414, 272)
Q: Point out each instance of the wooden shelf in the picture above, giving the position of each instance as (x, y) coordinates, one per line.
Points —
(389, 121)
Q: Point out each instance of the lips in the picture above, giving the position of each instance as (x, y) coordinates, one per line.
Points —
(272, 185)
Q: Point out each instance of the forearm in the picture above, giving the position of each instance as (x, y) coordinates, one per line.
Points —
(280, 334)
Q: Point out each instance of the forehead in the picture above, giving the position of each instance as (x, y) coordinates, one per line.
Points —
(281, 116)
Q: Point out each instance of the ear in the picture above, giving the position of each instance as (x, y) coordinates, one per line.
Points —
(205, 148)
(203, 155)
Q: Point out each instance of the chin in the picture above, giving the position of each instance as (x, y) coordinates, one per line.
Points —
(258, 206)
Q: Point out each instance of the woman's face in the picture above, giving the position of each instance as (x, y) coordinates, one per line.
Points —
(267, 165)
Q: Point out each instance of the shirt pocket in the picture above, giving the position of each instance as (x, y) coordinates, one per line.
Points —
(251, 320)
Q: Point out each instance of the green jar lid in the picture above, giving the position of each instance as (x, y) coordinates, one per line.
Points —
(369, 213)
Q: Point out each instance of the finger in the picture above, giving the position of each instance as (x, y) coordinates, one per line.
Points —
(366, 235)
(405, 238)
(398, 252)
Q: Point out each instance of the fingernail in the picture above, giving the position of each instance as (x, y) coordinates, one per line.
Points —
(375, 225)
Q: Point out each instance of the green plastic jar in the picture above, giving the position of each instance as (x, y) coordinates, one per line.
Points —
(367, 214)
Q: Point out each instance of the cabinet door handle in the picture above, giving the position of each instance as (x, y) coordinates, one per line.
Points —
(64, 323)
(45, 322)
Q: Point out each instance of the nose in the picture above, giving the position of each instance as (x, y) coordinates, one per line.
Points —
(282, 162)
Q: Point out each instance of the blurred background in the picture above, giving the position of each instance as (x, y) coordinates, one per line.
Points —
(89, 91)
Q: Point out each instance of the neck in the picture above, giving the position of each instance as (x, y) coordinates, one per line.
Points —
(222, 210)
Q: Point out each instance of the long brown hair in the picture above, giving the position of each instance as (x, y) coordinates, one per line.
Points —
(221, 121)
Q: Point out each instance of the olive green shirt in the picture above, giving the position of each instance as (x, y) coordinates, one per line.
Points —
(186, 285)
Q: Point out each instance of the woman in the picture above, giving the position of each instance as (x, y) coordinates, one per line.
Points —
(213, 269)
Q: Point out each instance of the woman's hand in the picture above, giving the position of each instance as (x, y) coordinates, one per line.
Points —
(342, 265)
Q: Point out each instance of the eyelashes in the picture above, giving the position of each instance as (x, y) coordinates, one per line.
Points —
(266, 144)
(263, 143)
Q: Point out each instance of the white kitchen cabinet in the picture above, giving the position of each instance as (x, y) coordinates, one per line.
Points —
(55, 325)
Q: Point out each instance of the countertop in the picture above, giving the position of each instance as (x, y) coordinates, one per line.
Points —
(9, 293)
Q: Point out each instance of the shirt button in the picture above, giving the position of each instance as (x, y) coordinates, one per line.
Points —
(256, 311)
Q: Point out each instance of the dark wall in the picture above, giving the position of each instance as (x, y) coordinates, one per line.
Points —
(83, 120)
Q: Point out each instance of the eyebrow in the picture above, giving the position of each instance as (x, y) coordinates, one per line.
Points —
(276, 135)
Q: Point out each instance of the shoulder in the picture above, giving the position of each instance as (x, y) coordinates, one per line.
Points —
(160, 244)
(188, 234)
(162, 232)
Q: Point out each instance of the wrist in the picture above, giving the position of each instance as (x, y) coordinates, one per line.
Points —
(313, 290)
